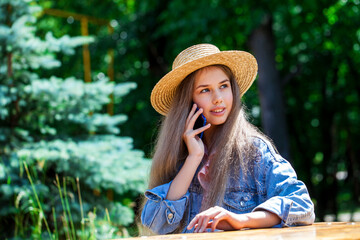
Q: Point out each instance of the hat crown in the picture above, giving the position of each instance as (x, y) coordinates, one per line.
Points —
(193, 53)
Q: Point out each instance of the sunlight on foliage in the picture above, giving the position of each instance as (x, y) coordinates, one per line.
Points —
(55, 139)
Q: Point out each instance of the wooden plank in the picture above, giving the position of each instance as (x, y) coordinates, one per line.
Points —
(323, 230)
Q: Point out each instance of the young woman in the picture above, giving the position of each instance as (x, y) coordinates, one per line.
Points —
(223, 174)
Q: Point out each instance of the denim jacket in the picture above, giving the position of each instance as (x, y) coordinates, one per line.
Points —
(273, 186)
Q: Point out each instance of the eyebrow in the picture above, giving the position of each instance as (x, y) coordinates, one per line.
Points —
(200, 86)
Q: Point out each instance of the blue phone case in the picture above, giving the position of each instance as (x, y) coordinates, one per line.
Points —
(200, 122)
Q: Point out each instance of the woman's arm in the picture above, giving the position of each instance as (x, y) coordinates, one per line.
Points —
(167, 203)
(195, 148)
(182, 181)
(286, 196)
(222, 219)
(161, 215)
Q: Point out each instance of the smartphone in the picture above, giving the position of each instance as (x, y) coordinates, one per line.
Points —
(200, 122)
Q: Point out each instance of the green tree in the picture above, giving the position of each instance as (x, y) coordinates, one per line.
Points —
(314, 53)
(53, 126)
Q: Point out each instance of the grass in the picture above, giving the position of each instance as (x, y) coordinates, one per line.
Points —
(67, 228)
(41, 215)
(81, 209)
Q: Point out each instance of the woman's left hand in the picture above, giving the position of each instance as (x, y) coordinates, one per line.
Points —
(217, 218)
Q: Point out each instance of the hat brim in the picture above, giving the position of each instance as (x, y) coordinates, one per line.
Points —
(242, 64)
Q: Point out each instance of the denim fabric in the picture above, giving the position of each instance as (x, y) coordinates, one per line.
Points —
(272, 186)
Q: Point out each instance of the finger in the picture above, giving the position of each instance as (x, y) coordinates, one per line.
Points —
(208, 225)
(202, 129)
(204, 224)
(192, 120)
(209, 215)
(217, 219)
(193, 222)
(199, 224)
(192, 111)
(211, 212)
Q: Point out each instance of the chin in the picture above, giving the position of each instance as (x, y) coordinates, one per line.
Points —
(217, 122)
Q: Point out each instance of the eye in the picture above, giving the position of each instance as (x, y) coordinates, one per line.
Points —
(204, 90)
(224, 85)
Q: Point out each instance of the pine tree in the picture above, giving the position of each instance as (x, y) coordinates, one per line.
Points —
(56, 126)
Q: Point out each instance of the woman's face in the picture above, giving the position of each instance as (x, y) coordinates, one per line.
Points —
(212, 92)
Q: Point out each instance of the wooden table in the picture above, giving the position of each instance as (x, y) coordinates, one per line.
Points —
(323, 230)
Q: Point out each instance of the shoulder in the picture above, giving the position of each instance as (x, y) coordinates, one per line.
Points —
(267, 157)
(265, 149)
(269, 161)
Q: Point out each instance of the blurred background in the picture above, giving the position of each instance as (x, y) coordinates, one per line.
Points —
(76, 124)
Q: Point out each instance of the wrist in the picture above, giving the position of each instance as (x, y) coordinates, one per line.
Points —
(242, 221)
(258, 219)
(195, 158)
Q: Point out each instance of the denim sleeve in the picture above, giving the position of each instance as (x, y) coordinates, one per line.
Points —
(161, 215)
(286, 196)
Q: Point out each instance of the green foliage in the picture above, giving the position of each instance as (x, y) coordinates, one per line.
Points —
(54, 128)
(316, 52)
(317, 48)
(103, 169)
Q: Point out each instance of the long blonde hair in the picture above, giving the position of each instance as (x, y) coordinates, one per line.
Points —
(232, 142)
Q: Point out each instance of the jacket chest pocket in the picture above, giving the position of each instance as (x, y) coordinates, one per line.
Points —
(239, 202)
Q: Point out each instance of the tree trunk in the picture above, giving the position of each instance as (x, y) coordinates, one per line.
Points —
(270, 87)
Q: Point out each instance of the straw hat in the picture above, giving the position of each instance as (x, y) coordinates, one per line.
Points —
(242, 64)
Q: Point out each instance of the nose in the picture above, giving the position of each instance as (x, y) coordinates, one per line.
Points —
(217, 98)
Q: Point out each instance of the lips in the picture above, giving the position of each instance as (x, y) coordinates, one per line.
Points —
(218, 110)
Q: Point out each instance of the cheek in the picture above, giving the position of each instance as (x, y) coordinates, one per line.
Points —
(229, 99)
(200, 102)
(201, 105)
